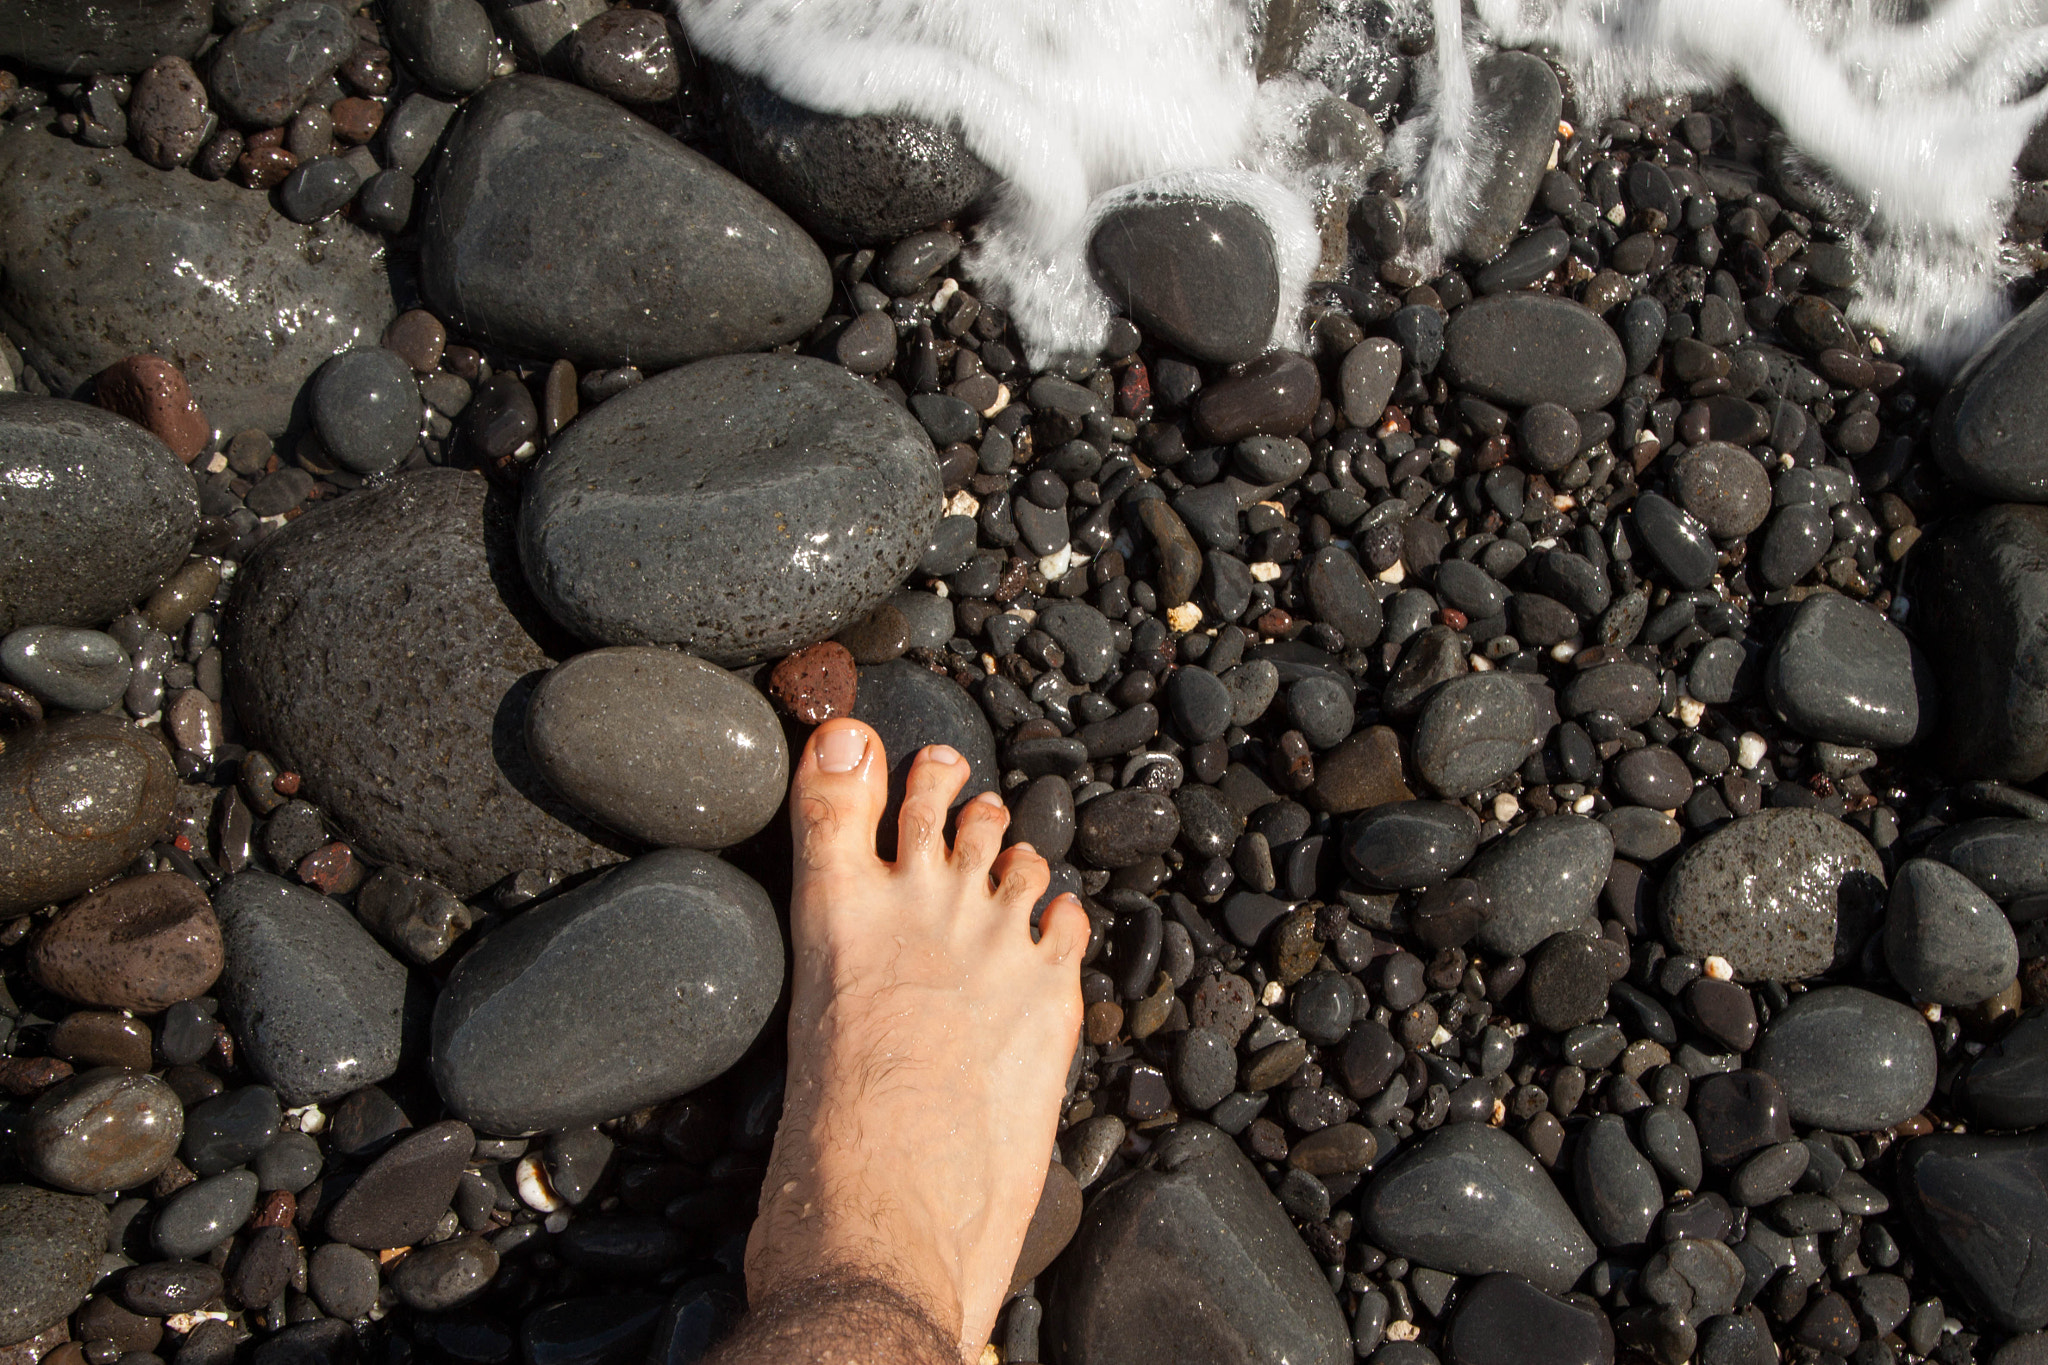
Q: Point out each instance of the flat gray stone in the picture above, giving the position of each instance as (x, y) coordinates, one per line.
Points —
(85, 238)
(318, 1007)
(1849, 1060)
(262, 72)
(561, 225)
(741, 507)
(1527, 348)
(1543, 878)
(1841, 672)
(1944, 939)
(1194, 274)
(630, 989)
(1519, 101)
(1474, 731)
(50, 1248)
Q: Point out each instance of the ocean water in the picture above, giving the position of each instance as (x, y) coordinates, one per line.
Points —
(1914, 113)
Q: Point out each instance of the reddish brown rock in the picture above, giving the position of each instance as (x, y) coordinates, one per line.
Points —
(79, 798)
(28, 1077)
(150, 392)
(357, 120)
(815, 684)
(102, 1038)
(142, 944)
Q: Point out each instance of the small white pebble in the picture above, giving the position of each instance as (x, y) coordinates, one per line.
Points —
(1480, 663)
(1515, 1030)
(1564, 502)
(1506, 808)
(1184, 617)
(274, 523)
(1750, 749)
(1265, 571)
(1273, 994)
(1556, 150)
(947, 289)
(183, 1323)
(1500, 1113)
(526, 451)
(218, 464)
(1547, 543)
(963, 504)
(988, 663)
(1055, 565)
(1402, 1331)
(1617, 215)
(1719, 968)
(1583, 806)
(534, 1190)
(939, 588)
(1025, 614)
(1931, 1012)
(1689, 712)
(1786, 461)
(307, 1119)
(1394, 573)
(1876, 344)
(1564, 651)
(1448, 446)
(1002, 401)
(558, 1221)
(1440, 1037)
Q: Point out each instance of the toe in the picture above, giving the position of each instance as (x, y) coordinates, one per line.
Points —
(936, 776)
(1063, 931)
(836, 798)
(978, 834)
(1021, 878)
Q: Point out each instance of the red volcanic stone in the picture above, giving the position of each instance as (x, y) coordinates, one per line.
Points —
(150, 392)
(815, 684)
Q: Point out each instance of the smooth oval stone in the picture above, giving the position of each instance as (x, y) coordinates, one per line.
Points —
(1198, 275)
(714, 267)
(94, 513)
(1469, 1199)
(88, 284)
(1410, 843)
(403, 1194)
(436, 1278)
(263, 71)
(228, 1130)
(50, 1249)
(1988, 431)
(910, 706)
(1366, 379)
(866, 181)
(79, 799)
(1849, 1060)
(602, 1329)
(79, 670)
(2005, 856)
(627, 990)
(660, 746)
(1519, 100)
(201, 1216)
(2007, 1086)
(335, 622)
(1842, 673)
(162, 1288)
(1526, 348)
(447, 43)
(1190, 1258)
(342, 1280)
(1119, 829)
(741, 508)
(1543, 878)
(1505, 1320)
(316, 1005)
(141, 944)
(1979, 1204)
(85, 40)
(1944, 940)
(1342, 596)
(1724, 486)
(1617, 1191)
(365, 406)
(1979, 587)
(1677, 540)
(1777, 894)
(104, 1130)
(1474, 731)
(1737, 1113)
(1274, 395)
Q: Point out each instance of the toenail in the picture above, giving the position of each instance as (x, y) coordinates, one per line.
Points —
(1024, 845)
(942, 753)
(840, 751)
(989, 799)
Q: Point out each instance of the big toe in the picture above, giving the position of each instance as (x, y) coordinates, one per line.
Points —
(837, 795)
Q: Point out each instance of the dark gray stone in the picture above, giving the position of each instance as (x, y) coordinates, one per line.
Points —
(1677, 540)
(262, 72)
(1197, 275)
(1518, 101)
(78, 670)
(83, 249)
(1779, 894)
(1120, 828)
(1342, 596)
(1798, 538)
(205, 1214)
(1724, 486)
(2006, 856)
(1989, 431)
(2007, 1086)
(70, 39)
(1543, 878)
(627, 990)
(741, 507)
(1979, 588)
(1980, 1204)
(79, 799)
(1529, 348)
(342, 1280)
(105, 1130)
(1410, 843)
(1473, 732)
(333, 624)
(1617, 1191)
(1469, 1199)
(910, 706)
(1189, 1259)
(1944, 939)
(1849, 1060)
(437, 1278)
(865, 181)
(94, 513)
(1505, 1320)
(401, 1196)
(619, 246)
(447, 43)
(366, 408)
(230, 1129)
(50, 1247)
(1841, 672)
(318, 1008)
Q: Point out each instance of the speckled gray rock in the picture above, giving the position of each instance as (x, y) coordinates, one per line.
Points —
(72, 39)
(1525, 348)
(660, 746)
(447, 43)
(1849, 1060)
(1991, 431)
(1190, 1259)
(1779, 894)
(654, 254)
(741, 507)
(866, 181)
(1519, 102)
(1979, 589)
(263, 71)
(1474, 731)
(1945, 940)
(66, 666)
(83, 238)
(1841, 672)
(1469, 1199)
(50, 1246)
(94, 511)
(79, 798)
(629, 989)
(1980, 1203)
(318, 1007)
(1543, 878)
(335, 622)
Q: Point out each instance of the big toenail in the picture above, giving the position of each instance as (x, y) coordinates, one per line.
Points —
(841, 750)
(989, 799)
(942, 753)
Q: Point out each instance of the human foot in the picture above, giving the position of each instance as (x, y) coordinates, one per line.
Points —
(929, 1039)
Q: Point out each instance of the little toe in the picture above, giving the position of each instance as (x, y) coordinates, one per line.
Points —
(1063, 931)
(837, 795)
(936, 776)
(1021, 878)
(978, 834)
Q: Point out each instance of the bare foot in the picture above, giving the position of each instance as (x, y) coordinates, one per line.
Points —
(929, 1039)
